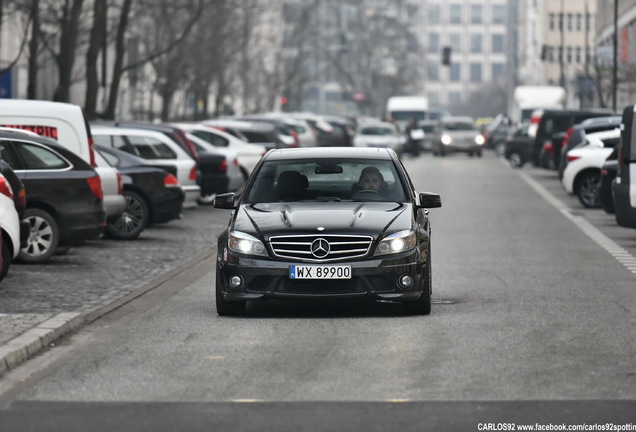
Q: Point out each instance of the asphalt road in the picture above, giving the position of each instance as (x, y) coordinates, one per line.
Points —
(533, 323)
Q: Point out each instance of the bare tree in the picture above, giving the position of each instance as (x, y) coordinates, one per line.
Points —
(20, 9)
(65, 57)
(96, 43)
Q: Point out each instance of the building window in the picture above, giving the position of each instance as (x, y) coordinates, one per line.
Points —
(570, 22)
(455, 72)
(579, 22)
(433, 42)
(498, 14)
(455, 40)
(454, 98)
(455, 14)
(552, 24)
(551, 54)
(433, 71)
(476, 14)
(433, 97)
(434, 14)
(497, 70)
(568, 56)
(497, 43)
(560, 22)
(588, 22)
(475, 72)
(578, 58)
(475, 43)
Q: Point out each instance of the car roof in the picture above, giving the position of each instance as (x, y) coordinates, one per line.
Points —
(330, 152)
(612, 133)
(599, 121)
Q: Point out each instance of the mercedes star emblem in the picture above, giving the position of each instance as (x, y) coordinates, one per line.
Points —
(320, 248)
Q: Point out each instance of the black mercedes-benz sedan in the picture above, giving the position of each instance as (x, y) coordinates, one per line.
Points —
(326, 223)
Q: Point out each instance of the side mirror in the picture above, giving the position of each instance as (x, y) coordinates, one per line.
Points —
(430, 200)
(225, 201)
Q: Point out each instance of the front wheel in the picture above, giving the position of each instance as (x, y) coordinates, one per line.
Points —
(587, 189)
(422, 306)
(516, 160)
(130, 224)
(224, 307)
(43, 238)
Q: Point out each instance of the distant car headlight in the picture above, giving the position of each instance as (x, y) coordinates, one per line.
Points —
(479, 139)
(446, 139)
(243, 243)
(397, 242)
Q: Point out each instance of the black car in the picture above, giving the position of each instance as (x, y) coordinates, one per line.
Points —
(608, 174)
(64, 198)
(306, 226)
(153, 194)
(518, 147)
(624, 185)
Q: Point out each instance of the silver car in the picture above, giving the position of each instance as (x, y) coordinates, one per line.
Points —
(457, 134)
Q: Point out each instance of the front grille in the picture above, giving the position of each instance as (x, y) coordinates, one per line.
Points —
(340, 247)
(321, 287)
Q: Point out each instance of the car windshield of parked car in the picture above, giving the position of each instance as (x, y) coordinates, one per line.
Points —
(324, 180)
(459, 126)
(151, 148)
(377, 130)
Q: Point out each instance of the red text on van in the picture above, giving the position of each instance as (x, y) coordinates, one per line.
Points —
(47, 131)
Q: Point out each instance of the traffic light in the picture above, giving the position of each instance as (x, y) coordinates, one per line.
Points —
(446, 56)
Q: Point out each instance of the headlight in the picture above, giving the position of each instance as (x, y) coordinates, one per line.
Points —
(446, 139)
(398, 242)
(479, 139)
(245, 244)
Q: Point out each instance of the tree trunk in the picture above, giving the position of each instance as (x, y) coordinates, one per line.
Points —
(34, 45)
(66, 56)
(119, 60)
(98, 34)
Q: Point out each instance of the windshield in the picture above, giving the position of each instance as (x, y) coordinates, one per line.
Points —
(406, 115)
(377, 130)
(459, 126)
(326, 180)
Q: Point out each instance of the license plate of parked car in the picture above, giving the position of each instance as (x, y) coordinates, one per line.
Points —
(319, 272)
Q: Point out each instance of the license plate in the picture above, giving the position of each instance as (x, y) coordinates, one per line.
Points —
(319, 272)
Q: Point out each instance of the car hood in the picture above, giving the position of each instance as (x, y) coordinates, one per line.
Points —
(362, 218)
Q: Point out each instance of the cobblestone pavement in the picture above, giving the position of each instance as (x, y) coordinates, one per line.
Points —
(102, 271)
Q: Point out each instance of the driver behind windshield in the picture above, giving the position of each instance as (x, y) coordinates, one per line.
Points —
(371, 179)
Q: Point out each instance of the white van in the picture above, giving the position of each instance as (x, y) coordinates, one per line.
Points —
(401, 108)
(67, 124)
(64, 122)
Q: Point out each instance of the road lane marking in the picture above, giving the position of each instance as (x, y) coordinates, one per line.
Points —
(620, 254)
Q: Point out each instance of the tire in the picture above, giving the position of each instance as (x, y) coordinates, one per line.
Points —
(516, 160)
(43, 239)
(224, 307)
(422, 306)
(132, 221)
(587, 189)
(6, 259)
(500, 148)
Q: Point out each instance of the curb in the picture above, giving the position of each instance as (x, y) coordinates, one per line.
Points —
(23, 347)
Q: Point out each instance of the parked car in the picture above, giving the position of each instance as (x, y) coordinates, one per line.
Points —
(64, 198)
(518, 149)
(153, 195)
(583, 173)
(291, 233)
(217, 175)
(457, 134)
(286, 133)
(496, 133)
(576, 135)
(379, 135)
(19, 199)
(343, 130)
(248, 154)
(159, 149)
(261, 134)
(555, 121)
(173, 132)
(624, 186)
(551, 148)
(9, 227)
(608, 174)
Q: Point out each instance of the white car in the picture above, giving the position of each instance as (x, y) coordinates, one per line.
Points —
(158, 148)
(582, 175)
(232, 168)
(248, 154)
(114, 200)
(378, 134)
(9, 226)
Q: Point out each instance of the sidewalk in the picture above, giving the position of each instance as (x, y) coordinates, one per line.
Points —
(26, 335)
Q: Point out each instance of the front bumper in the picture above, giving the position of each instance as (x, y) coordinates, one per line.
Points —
(372, 278)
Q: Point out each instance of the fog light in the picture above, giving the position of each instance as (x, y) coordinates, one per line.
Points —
(405, 281)
(236, 281)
